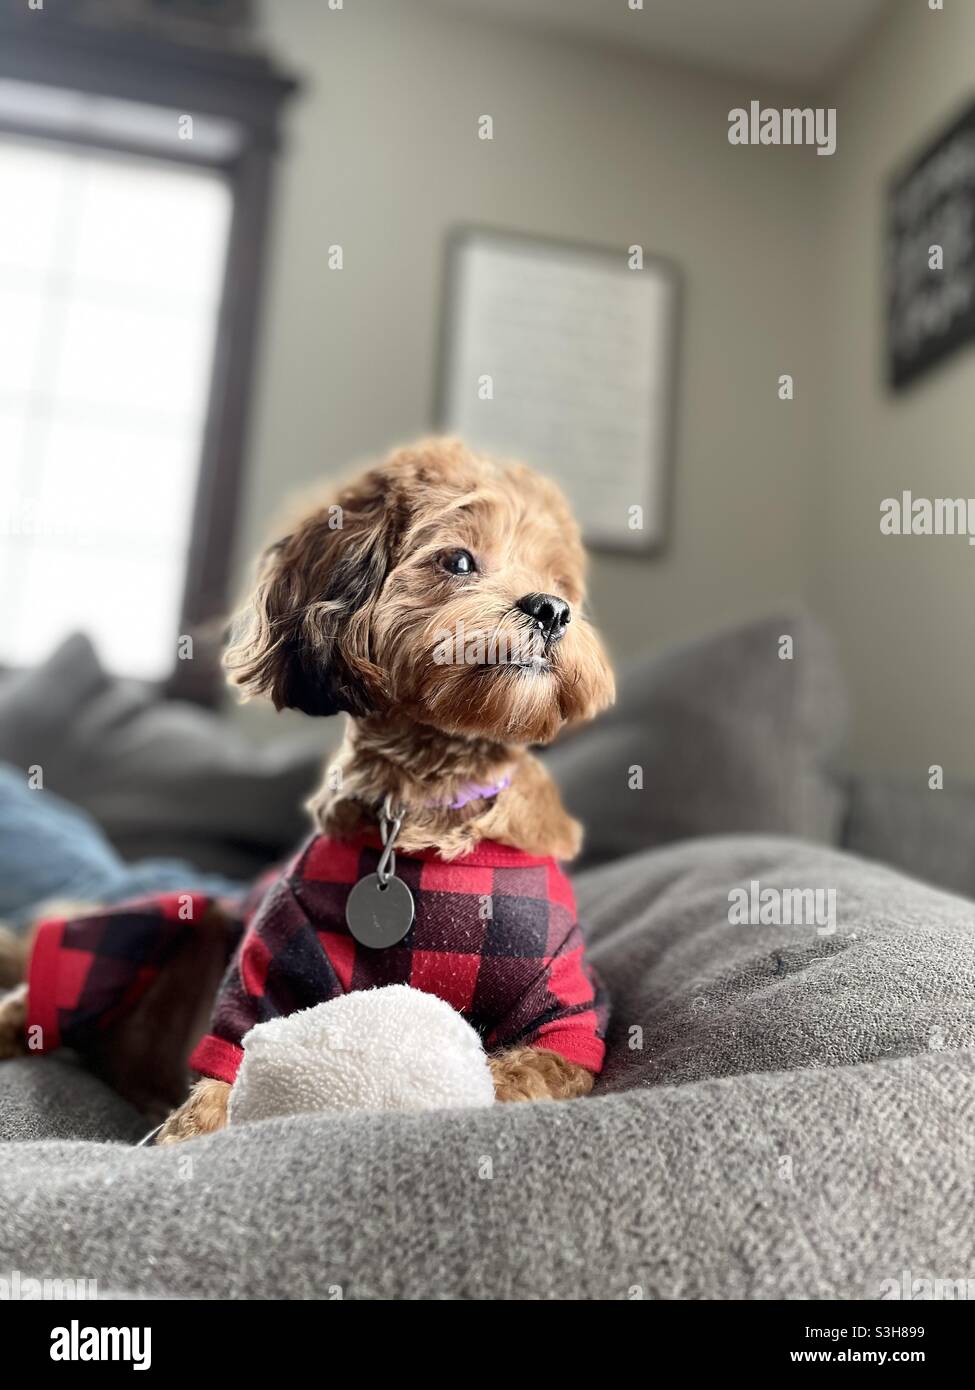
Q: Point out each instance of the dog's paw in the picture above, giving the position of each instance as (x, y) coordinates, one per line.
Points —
(534, 1073)
(203, 1112)
(13, 958)
(13, 1021)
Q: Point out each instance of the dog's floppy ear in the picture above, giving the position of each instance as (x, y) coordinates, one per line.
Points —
(303, 640)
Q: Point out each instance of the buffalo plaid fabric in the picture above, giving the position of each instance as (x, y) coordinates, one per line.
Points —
(495, 935)
(87, 972)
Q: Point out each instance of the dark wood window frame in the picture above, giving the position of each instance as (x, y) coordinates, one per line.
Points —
(40, 48)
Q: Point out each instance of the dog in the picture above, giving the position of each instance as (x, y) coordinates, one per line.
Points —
(437, 601)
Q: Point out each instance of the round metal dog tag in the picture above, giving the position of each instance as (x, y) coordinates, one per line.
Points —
(379, 915)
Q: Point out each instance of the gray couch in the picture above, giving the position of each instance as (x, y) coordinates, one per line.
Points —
(786, 1111)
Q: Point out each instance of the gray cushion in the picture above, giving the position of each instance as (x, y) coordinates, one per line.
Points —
(161, 777)
(806, 1132)
(729, 738)
(37, 708)
(55, 1098)
(930, 834)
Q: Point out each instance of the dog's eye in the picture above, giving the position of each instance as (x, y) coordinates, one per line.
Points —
(459, 562)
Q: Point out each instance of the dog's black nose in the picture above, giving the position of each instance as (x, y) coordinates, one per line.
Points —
(551, 614)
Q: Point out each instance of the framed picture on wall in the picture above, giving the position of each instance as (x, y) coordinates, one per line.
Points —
(564, 356)
(931, 254)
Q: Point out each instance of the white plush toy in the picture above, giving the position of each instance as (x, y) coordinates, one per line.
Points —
(393, 1048)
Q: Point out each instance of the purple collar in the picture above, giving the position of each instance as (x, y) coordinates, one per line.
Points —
(474, 792)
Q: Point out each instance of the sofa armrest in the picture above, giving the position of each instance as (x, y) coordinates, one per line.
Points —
(928, 834)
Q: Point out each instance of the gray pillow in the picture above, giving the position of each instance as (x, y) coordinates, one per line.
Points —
(929, 834)
(161, 777)
(37, 708)
(55, 1098)
(727, 736)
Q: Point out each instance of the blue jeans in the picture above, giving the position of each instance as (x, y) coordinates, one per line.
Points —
(49, 848)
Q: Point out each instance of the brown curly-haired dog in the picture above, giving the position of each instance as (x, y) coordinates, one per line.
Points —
(351, 613)
(350, 610)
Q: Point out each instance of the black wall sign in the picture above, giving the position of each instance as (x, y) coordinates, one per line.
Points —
(930, 311)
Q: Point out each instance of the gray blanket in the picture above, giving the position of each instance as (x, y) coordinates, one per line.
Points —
(787, 1112)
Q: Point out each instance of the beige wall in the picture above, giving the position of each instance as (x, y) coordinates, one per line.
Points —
(901, 607)
(590, 143)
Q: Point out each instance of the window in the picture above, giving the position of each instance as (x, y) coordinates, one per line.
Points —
(111, 268)
(135, 180)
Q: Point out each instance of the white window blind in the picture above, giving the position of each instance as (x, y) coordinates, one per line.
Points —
(111, 268)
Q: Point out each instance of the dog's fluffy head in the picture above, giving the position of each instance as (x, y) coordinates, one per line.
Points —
(401, 596)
